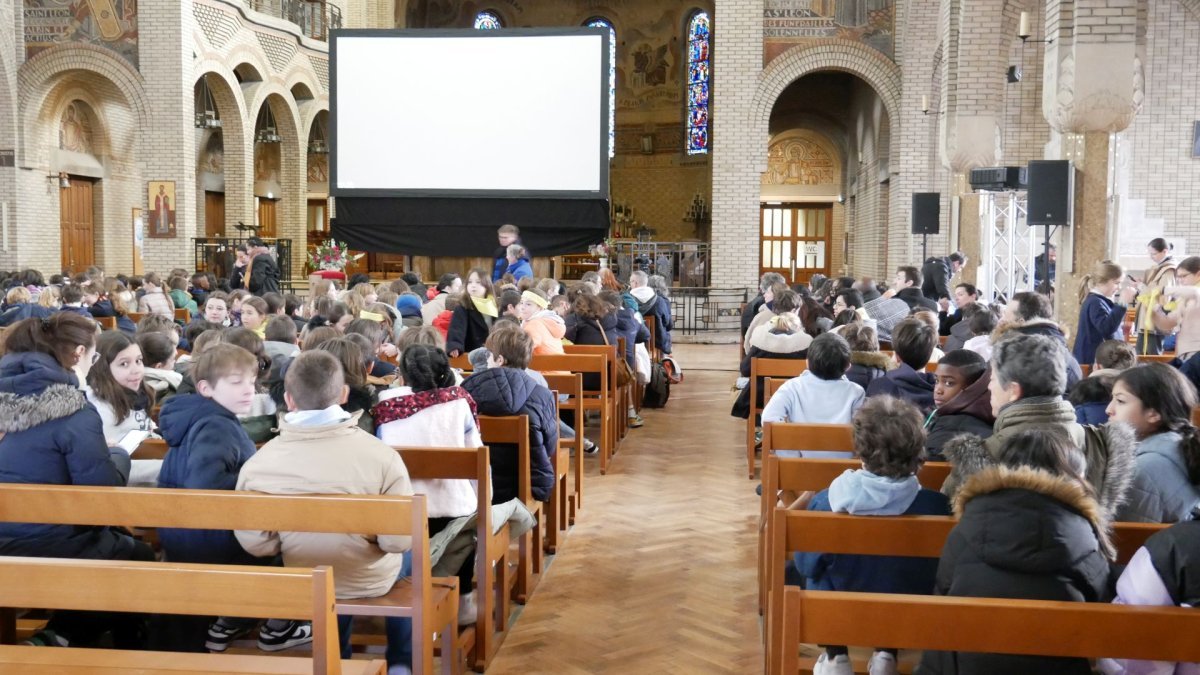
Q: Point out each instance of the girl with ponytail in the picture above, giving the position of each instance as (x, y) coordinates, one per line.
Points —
(1100, 315)
(429, 410)
(1157, 401)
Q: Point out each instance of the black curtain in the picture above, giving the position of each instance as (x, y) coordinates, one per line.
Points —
(467, 227)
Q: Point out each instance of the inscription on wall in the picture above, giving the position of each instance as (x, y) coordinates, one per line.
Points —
(788, 23)
(111, 24)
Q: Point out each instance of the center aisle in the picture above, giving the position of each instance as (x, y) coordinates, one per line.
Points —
(658, 574)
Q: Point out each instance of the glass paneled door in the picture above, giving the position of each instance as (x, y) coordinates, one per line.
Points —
(795, 240)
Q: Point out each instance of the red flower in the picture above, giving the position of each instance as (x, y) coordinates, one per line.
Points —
(326, 258)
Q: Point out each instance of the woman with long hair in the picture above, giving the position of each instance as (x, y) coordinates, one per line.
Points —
(472, 319)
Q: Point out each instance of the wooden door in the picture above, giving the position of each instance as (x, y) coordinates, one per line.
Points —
(266, 217)
(214, 214)
(795, 240)
(77, 226)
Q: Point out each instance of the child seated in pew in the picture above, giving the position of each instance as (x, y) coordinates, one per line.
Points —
(1029, 528)
(430, 410)
(889, 438)
(116, 387)
(964, 403)
(1162, 573)
(321, 450)
(207, 449)
(913, 341)
(1092, 394)
(360, 396)
(279, 338)
(820, 395)
(158, 356)
(375, 332)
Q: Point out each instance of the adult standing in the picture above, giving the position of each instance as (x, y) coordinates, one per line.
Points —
(263, 274)
(937, 273)
(1160, 275)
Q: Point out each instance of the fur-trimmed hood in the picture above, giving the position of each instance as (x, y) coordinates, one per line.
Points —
(1044, 327)
(35, 389)
(872, 360)
(1048, 545)
(779, 343)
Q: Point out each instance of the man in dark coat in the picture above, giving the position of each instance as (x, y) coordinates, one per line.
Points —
(938, 272)
(907, 287)
(264, 270)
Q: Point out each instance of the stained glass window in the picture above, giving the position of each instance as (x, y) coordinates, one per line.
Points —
(697, 84)
(599, 22)
(487, 21)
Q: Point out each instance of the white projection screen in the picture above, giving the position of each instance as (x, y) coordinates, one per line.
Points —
(467, 113)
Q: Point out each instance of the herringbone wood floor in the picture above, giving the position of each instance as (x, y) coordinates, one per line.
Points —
(658, 574)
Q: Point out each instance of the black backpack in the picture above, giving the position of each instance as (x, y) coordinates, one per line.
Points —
(658, 389)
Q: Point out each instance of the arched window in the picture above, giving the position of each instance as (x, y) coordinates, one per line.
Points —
(600, 22)
(698, 81)
(488, 21)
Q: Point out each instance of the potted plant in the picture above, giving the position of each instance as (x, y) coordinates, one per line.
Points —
(330, 255)
(602, 251)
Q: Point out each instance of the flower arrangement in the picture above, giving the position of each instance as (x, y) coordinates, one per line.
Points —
(603, 249)
(330, 255)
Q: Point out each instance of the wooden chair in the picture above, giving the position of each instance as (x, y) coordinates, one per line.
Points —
(107, 322)
(571, 386)
(760, 367)
(136, 317)
(770, 386)
(182, 314)
(173, 588)
(431, 603)
(917, 536)
(1086, 368)
(151, 448)
(1196, 416)
(492, 579)
(617, 395)
(462, 363)
(1156, 358)
(514, 430)
(598, 400)
(652, 344)
(942, 340)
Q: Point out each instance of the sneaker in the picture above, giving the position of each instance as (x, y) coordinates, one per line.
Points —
(882, 663)
(221, 635)
(468, 609)
(45, 638)
(636, 421)
(293, 634)
(399, 669)
(589, 447)
(838, 665)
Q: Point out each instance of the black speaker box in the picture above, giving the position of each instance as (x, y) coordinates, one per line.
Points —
(926, 212)
(1051, 192)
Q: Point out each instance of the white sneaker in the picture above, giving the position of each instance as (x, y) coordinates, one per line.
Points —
(399, 669)
(882, 663)
(468, 609)
(838, 665)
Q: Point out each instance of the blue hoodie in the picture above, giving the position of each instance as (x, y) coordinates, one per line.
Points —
(865, 494)
(507, 391)
(520, 269)
(208, 447)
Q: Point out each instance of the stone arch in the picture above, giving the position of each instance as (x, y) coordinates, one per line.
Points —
(236, 140)
(292, 165)
(1192, 6)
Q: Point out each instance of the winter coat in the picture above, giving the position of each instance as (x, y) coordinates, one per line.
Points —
(183, 300)
(959, 334)
(104, 308)
(264, 274)
(23, 311)
(53, 436)
(583, 331)
(1022, 534)
(335, 458)
(913, 297)
(439, 418)
(652, 304)
(1165, 572)
(948, 320)
(866, 367)
(431, 309)
(163, 382)
(468, 329)
(767, 345)
(936, 274)
(1100, 319)
(546, 329)
(506, 391)
(869, 573)
(157, 302)
(906, 383)
(1157, 277)
(1108, 450)
(500, 261)
(810, 399)
(1161, 491)
(886, 313)
(519, 270)
(442, 323)
(750, 311)
(970, 412)
(1095, 414)
(634, 332)
(206, 449)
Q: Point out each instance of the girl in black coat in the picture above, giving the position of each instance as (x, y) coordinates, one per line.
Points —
(592, 322)
(472, 319)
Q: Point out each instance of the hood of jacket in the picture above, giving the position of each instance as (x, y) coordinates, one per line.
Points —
(554, 324)
(872, 360)
(1030, 535)
(974, 400)
(34, 390)
(909, 381)
(182, 411)
(644, 295)
(866, 494)
(1044, 327)
(160, 380)
(779, 343)
(500, 391)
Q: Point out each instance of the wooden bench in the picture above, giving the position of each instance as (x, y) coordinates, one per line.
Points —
(598, 400)
(493, 582)
(617, 395)
(182, 314)
(462, 363)
(1156, 358)
(839, 533)
(431, 603)
(652, 343)
(107, 322)
(136, 317)
(765, 368)
(571, 386)
(514, 430)
(174, 588)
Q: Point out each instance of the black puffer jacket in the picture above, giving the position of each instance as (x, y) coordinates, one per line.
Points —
(1022, 534)
(583, 331)
(507, 391)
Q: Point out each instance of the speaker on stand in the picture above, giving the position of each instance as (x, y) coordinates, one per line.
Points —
(926, 214)
(1051, 199)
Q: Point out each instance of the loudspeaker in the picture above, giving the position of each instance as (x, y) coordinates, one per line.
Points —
(926, 211)
(1051, 192)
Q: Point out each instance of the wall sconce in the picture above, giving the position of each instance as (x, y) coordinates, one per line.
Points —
(1024, 30)
(925, 106)
(647, 144)
(63, 180)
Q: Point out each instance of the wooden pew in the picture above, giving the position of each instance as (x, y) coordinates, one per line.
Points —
(135, 317)
(760, 367)
(514, 430)
(174, 588)
(107, 322)
(432, 604)
(1036, 627)
(615, 394)
(918, 536)
(571, 386)
(598, 400)
(182, 314)
(1156, 358)
(462, 363)
(770, 386)
(652, 343)
(492, 579)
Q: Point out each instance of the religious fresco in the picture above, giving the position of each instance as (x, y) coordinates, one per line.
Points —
(75, 129)
(789, 23)
(799, 161)
(111, 24)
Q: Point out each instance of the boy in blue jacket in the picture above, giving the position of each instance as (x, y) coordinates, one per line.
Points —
(913, 341)
(889, 438)
(207, 448)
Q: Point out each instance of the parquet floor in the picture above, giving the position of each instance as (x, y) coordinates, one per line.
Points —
(658, 574)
